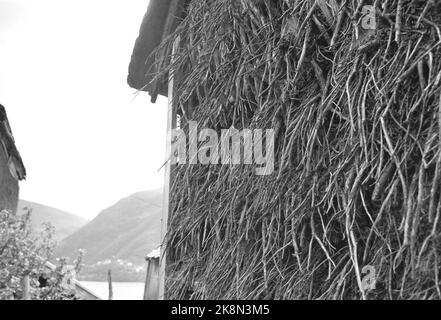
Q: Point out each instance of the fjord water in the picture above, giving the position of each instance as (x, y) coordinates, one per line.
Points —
(121, 290)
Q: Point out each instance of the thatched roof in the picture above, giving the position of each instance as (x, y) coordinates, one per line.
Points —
(161, 20)
(11, 166)
(7, 142)
(356, 115)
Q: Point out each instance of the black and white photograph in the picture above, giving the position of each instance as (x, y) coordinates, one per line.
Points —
(239, 151)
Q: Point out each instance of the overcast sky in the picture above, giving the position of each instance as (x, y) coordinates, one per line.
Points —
(63, 66)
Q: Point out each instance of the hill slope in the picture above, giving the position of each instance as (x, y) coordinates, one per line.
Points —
(65, 223)
(128, 230)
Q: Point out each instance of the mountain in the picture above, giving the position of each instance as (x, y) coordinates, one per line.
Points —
(65, 223)
(126, 231)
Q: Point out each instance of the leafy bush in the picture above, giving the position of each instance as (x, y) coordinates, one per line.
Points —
(24, 254)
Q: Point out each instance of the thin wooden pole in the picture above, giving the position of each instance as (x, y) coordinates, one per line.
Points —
(109, 280)
(171, 124)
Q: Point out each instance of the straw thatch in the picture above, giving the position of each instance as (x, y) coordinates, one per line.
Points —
(357, 115)
(161, 19)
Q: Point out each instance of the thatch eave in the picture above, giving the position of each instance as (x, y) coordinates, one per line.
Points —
(161, 20)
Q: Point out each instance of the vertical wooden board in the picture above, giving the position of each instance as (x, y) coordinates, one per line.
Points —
(146, 284)
(152, 280)
(171, 124)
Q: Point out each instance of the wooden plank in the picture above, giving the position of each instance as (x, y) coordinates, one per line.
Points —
(151, 289)
(171, 124)
(83, 292)
(147, 282)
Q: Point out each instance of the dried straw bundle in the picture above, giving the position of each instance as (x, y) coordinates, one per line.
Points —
(358, 151)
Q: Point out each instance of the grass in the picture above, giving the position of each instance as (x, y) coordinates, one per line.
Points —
(357, 115)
